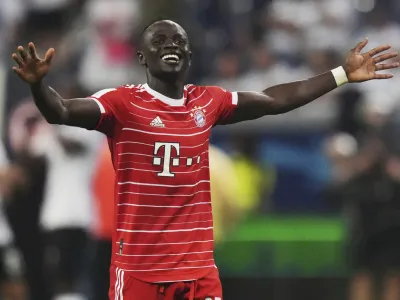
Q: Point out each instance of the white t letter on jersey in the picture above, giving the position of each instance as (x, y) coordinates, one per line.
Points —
(167, 158)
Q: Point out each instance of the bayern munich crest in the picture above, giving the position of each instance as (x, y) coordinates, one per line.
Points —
(199, 116)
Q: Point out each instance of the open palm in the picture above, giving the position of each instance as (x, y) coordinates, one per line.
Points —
(30, 67)
(361, 67)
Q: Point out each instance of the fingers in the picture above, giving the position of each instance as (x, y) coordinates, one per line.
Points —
(18, 60)
(22, 53)
(360, 46)
(382, 67)
(22, 57)
(383, 76)
(378, 50)
(18, 72)
(32, 51)
(385, 56)
(49, 55)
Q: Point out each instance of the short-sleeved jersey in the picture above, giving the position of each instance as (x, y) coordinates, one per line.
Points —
(163, 219)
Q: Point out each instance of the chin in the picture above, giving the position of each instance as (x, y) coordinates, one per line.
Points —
(171, 72)
(171, 68)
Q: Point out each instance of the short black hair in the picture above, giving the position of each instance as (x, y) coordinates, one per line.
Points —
(152, 22)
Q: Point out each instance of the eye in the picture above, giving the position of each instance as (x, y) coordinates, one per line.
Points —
(157, 42)
(181, 41)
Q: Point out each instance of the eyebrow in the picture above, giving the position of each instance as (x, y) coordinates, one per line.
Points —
(178, 34)
(157, 34)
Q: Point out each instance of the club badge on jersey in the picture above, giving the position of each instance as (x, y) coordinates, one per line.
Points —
(199, 116)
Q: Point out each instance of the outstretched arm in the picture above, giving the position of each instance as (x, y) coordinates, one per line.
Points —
(30, 68)
(286, 97)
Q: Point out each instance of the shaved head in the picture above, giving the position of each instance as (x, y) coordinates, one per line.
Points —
(150, 27)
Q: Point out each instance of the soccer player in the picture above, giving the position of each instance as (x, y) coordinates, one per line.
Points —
(158, 135)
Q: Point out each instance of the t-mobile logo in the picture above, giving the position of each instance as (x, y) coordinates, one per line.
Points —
(167, 159)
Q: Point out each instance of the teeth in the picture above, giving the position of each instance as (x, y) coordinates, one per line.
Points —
(170, 56)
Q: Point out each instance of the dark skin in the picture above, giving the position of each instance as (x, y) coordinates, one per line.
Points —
(169, 78)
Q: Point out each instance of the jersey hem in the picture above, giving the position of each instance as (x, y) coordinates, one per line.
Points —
(168, 278)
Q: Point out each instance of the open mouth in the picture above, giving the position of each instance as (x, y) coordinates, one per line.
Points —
(171, 58)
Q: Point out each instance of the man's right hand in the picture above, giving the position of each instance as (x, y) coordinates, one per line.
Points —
(79, 112)
(31, 68)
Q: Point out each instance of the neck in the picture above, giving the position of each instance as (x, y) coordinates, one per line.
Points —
(171, 89)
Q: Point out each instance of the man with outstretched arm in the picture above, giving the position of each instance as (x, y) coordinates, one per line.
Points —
(158, 135)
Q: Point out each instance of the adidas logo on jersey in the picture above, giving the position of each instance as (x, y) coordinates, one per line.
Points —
(157, 122)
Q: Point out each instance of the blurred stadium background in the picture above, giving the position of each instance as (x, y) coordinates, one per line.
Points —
(307, 204)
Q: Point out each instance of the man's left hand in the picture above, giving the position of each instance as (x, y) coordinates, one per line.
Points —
(361, 67)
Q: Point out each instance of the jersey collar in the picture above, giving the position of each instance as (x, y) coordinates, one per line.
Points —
(165, 99)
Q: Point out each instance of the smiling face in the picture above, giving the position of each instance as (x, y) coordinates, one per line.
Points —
(165, 50)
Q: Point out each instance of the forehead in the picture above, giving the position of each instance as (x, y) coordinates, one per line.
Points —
(168, 28)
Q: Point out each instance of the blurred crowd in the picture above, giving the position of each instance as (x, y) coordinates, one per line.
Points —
(338, 155)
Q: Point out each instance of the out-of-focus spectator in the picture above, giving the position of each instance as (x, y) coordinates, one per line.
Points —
(341, 149)
(348, 120)
(255, 180)
(371, 198)
(227, 71)
(23, 204)
(67, 212)
(109, 59)
(103, 187)
(11, 286)
(225, 195)
(366, 184)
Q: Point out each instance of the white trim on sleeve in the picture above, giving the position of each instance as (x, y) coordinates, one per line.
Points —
(102, 110)
(101, 93)
(98, 95)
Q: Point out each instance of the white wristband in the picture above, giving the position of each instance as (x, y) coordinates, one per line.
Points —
(340, 76)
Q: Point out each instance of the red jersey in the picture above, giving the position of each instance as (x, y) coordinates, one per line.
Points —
(163, 220)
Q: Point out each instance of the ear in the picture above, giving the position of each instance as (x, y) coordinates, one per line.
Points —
(141, 58)
(190, 58)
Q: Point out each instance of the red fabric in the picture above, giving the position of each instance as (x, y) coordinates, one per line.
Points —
(164, 227)
(125, 287)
